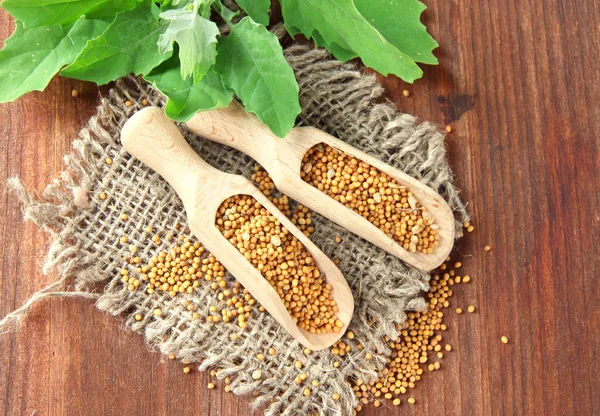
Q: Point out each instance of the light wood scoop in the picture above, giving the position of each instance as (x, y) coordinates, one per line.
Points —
(156, 141)
(282, 158)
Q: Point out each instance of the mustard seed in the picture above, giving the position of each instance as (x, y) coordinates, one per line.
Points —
(448, 129)
(210, 386)
(406, 93)
(504, 340)
(471, 309)
(487, 248)
(281, 259)
(396, 402)
(128, 103)
(186, 370)
(411, 400)
(458, 311)
(335, 396)
(74, 93)
(374, 195)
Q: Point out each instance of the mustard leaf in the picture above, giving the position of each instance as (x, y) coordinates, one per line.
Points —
(128, 45)
(186, 98)
(31, 57)
(258, 10)
(339, 22)
(399, 22)
(34, 13)
(251, 62)
(196, 37)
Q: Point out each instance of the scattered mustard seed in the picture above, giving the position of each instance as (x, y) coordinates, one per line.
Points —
(471, 309)
(210, 386)
(458, 311)
(487, 248)
(406, 93)
(411, 400)
(103, 195)
(109, 161)
(128, 103)
(335, 396)
(504, 340)
(448, 129)
(186, 370)
(74, 93)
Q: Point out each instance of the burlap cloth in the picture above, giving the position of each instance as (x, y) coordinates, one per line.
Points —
(88, 256)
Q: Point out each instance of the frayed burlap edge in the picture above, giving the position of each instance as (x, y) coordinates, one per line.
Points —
(85, 249)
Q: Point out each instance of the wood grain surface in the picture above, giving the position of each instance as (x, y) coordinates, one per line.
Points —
(519, 82)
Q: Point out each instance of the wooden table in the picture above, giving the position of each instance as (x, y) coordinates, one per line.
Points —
(519, 82)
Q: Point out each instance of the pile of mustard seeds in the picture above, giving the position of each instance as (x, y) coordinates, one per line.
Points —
(372, 194)
(282, 260)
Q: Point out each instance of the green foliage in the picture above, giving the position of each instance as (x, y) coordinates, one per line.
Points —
(127, 46)
(185, 97)
(251, 63)
(176, 45)
(339, 22)
(258, 10)
(34, 13)
(399, 22)
(31, 57)
(196, 37)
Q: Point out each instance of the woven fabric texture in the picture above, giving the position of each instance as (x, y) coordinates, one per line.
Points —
(86, 250)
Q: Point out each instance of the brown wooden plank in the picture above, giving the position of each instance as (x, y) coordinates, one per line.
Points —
(518, 81)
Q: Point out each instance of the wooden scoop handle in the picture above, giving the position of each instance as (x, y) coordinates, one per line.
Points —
(156, 141)
(234, 127)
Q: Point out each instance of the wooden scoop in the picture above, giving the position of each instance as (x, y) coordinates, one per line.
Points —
(282, 158)
(156, 141)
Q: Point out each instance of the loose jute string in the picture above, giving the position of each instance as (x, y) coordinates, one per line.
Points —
(87, 253)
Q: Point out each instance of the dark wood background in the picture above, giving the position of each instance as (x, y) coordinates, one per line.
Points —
(519, 82)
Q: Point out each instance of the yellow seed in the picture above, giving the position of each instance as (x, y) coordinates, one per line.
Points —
(157, 312)
(307, 351)
(338, 239)
(368, 356)
(335, 396)
(307, 392)
(123, 239)
(133, 248)
(149, 229)
(377, 403)
(315, 383)
(466, 279)
(487, 248)
(272, 351)
(504, 340)
(138, 317)
(350, 335)
(470, 229)
(103, 195)
(256, 374)
(128, 103)
(124, 217)
(448, 129)
(440, 355)
(186, 370)
(437, 365)
(396, 402)
(298, 365)
(448, 347)
(411, 400)
(406, 93)
(171, 356)
(109, 161)
(471, 309)
(458, 311)
(211, 386)
(457, 265)
(74, 93)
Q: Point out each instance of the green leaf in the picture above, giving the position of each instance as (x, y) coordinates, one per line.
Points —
(251, 62)
(336, 50)
(399, 21)
(31, 57)
(34, 13)
(184, 97)
(128, 45)
(197, 40)
(339, 22)
(258, 10)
